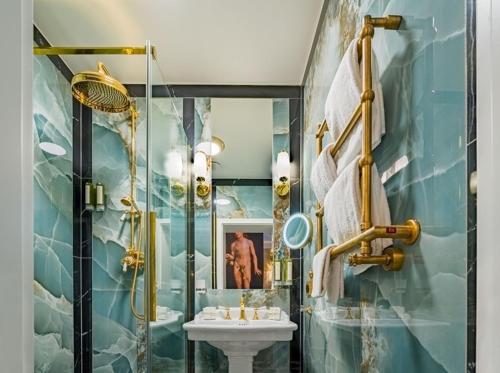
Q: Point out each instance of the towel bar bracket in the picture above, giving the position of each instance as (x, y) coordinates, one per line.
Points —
(392, 259)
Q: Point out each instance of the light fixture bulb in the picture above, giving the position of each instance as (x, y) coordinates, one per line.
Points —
(174, 165)
(200, 165)
(211, 148)
(283, 165)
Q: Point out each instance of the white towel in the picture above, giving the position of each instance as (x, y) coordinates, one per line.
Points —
(342, 209)
(328, 278)
(343, 97)
(323, 174)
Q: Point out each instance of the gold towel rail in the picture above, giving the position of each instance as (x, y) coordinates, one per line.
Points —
(392, 258)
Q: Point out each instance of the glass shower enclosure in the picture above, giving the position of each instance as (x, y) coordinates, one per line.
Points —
(111, 181)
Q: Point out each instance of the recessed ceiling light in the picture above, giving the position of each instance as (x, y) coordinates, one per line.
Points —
(211, 148)
(51, 148)
(222, 202)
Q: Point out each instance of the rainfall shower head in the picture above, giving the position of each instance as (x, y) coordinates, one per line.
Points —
(100, 91)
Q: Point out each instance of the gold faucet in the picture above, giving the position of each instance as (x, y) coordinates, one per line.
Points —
(243, 316)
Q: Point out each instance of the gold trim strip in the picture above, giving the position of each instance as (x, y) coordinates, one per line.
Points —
(152, 265)
(56, 51)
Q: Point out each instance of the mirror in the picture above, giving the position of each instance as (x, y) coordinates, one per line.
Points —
(239, 209)
(297, 232)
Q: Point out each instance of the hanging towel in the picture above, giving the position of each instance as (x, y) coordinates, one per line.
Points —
(323, 174)
(343, 209)
(328, 278)
(343, 98)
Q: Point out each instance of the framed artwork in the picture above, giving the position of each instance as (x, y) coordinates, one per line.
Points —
(243, 253)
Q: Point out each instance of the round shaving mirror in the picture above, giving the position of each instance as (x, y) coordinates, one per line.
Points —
(297, 232)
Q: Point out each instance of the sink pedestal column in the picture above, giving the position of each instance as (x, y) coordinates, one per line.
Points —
(241, 362)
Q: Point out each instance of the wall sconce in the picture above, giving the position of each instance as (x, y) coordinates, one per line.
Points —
(282, 187)
(200, 171)
(211, 148)
(174, 172)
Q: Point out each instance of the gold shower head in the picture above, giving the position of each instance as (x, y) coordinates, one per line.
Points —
(100, 91)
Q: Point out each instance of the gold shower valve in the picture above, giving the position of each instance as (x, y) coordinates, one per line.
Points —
(132, 259)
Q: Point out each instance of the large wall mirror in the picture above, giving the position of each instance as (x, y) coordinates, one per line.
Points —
(240, 162)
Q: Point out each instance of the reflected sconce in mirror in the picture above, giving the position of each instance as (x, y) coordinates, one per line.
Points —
(211, 148)
(174, 172)
(282, 187)
(200, 171)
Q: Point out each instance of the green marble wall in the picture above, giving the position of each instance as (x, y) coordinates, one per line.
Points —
(413, 320)
(53, 220)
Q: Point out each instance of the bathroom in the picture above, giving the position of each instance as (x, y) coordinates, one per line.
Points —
(234, 186)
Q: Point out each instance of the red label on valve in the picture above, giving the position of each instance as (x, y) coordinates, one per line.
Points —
(390, 230)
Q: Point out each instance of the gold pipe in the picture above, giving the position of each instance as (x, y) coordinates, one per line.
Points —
(322, 128)
(152, 265)
(408, 233)
(56, 51)
(214, 250)
(347, 131)
(366, 160)
(319, 224)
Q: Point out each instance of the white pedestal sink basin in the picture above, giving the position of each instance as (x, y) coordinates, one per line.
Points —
(240, 340)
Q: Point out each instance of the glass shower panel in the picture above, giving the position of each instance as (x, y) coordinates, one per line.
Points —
(118, 158)
(169, 173)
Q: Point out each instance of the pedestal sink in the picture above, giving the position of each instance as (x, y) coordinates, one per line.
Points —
(240, 340)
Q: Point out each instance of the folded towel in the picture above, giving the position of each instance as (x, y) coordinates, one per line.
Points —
(342, 209)
(343, 97)
(323, 174)
(327, 277)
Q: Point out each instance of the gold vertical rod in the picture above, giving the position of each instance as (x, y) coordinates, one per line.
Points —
(152, 265)
(214, 250)
(322, 128)
(366, 160)
(319, 224)
(133, 168)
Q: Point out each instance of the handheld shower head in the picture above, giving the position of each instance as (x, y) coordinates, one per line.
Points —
(129, 202)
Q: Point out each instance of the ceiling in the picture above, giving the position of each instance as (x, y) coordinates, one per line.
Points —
(255, 42)
(246, 127)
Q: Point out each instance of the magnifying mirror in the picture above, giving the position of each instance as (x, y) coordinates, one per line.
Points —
(297, 231)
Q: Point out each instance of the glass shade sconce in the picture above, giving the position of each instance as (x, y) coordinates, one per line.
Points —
(175, 171)
(200, 171)
(282, 186)
(94, 197)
